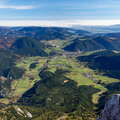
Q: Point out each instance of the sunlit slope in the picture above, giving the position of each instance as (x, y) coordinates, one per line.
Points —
(77, 72)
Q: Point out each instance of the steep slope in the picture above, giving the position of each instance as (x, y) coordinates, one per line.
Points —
(84, 45)
(29, 47)
(112, 109)
(7, 67)
(8, 71)
(92, 43)
(105, 61)
(105, 42)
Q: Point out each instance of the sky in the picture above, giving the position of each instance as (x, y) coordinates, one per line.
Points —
(59, 12)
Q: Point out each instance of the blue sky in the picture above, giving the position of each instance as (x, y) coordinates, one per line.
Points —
(60, 10)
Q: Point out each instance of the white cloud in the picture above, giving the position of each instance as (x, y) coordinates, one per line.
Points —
(61, 23)
(24, 7)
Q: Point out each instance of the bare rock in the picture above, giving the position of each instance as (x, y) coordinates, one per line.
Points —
(112, 109)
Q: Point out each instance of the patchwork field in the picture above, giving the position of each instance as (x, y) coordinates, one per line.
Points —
(77, 72)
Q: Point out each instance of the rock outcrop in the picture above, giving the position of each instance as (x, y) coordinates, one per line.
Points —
(112, 109)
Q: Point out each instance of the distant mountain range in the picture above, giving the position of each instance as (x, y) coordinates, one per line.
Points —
(24, 40)
(8, 35)
(99, 29)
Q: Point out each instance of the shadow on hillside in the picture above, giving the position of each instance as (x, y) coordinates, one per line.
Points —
(56, 92)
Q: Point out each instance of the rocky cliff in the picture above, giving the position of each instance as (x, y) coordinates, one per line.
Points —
(112, 109)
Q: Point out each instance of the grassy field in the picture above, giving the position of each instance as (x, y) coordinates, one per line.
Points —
(30, 76)
(77, 72)
(82, 75)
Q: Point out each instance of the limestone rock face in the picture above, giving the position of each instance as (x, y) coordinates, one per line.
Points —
(112, 109)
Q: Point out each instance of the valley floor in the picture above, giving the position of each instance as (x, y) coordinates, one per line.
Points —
(78, 72)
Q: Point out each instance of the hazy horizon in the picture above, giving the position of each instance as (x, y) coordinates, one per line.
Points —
(59, 23)
(59, 13)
